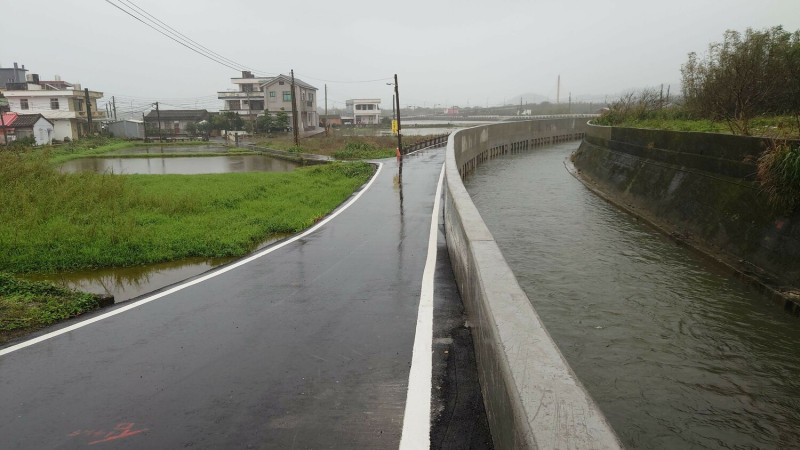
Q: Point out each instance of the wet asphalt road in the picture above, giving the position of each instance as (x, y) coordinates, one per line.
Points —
(307, 347)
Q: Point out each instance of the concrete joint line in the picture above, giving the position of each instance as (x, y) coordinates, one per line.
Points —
(417, 416)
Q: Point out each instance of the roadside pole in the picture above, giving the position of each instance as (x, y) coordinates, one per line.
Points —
(88, 110)
(158, 117)
(399, 128)
(294, 113)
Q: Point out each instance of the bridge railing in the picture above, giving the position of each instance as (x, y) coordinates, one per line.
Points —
(532, 397)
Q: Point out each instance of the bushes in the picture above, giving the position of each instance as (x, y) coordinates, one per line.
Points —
(779, 175)
(362, 150)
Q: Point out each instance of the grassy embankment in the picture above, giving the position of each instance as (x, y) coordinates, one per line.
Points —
(51, 221)
(778, 127)
(341, 147)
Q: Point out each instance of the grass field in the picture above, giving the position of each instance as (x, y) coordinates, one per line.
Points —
(51, 221)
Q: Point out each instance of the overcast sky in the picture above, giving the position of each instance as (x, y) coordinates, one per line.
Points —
(464, 52)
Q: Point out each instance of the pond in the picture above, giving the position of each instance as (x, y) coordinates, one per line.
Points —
(184, 165)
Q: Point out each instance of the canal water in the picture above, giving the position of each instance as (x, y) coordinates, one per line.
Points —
(677, 352)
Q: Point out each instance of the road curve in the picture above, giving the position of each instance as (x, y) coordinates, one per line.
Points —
(306, 347)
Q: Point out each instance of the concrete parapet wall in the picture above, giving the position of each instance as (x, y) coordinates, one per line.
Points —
(532, 397)
(700, 187)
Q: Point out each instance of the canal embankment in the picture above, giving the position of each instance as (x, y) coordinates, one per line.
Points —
(701, 189)
(532, 397)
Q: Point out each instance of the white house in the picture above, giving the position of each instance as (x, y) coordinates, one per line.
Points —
(62, 103)
(19, 126)
(362, 111)
(248, 97)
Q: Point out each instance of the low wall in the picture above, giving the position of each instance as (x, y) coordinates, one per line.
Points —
(699, 187)
(532, 397)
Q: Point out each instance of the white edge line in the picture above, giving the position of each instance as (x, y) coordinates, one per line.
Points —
(417, 417)
(206, 277)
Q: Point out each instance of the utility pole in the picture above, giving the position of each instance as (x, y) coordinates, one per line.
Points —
(399, 133)
(3, 124)
(144, 125)
(294, 113)
(326, 109)
(394, 110)
(569, 108)
(158, 117)
(114, 104)
(88, 109)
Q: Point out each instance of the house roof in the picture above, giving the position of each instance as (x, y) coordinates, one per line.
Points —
(178, 114)
(9, 118)
(28, 120)
(288, 79)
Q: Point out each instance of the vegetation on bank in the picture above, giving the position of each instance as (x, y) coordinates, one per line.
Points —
(328, 145)
(363, 150)
(748, 84)
(28, 306)
(51, 221)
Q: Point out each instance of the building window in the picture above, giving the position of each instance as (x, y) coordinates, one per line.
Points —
(233, 105)
(53, 103)
(370, 107)
(272, 94)
(310, 97)
(78, 104)
(287, 96)
(23, 103)
(280, 83)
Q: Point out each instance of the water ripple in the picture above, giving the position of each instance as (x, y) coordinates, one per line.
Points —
(677, 354)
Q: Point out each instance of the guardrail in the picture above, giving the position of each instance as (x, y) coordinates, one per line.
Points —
(532, 397)
(425, 143)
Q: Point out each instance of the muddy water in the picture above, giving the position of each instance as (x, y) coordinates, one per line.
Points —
(676, 352)
(179, 165)
(125, 283)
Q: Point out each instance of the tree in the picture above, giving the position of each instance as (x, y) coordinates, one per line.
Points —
(281, 121)
(744, 76)
(264, 123)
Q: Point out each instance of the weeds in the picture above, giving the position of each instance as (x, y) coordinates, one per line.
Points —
(363, 150)
(27, 306)
(779, 175)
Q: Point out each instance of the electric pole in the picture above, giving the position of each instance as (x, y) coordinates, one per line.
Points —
(399, 134)
(158, 117)
(326, 109)
(88, 109)
(144, 125)
(114, 104)
(294, 113)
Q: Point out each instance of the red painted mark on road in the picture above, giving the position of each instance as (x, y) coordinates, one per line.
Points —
(120, 431)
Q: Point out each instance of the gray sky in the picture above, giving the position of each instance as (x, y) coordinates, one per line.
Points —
(464, 52)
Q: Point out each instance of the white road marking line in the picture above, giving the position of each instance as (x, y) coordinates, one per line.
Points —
(417, 417)
(208, 276)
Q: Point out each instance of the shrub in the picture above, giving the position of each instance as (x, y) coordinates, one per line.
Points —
(779, 175)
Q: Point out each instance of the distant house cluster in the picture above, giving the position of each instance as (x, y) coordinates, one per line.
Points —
(47, 109)
(57, 110)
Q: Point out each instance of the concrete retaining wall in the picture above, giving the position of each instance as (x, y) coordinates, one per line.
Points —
(532, 397)
(700, 188)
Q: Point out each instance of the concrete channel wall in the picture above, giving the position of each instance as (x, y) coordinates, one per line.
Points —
(700, 188)
(532, 397)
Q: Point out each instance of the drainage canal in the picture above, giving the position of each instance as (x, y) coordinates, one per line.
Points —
(677, 352)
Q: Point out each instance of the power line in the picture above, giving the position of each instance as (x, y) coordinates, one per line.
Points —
(174, 39)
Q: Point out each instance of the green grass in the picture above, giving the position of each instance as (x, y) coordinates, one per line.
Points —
(53, 222)
(780, 127)
(779, 175)
(27, 306)
(363, 150)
